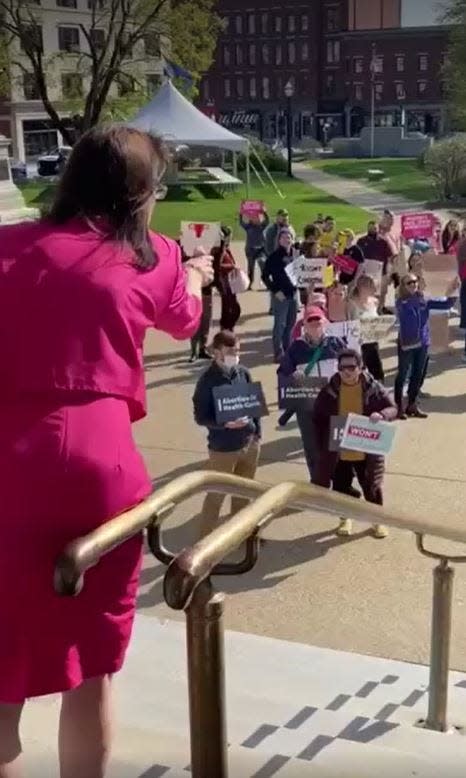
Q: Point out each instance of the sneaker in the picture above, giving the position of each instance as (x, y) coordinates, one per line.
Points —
(380, 532)
(345, 528)
(352, 492)
(192, 358)
(401, 415)
(426, 395)
(203, 354)
(415, 413)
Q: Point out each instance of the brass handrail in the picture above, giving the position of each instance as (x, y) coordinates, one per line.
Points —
(194, 565)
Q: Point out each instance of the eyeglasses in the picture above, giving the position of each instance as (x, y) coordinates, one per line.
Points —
(412, 283)
(313, 320)
(349, 368)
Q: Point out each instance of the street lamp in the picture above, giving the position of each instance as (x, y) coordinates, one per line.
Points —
(289, 92)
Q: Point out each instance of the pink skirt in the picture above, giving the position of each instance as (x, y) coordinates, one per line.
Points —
(64, 470)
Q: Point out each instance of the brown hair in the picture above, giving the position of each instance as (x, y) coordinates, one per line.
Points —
(224, 339)
(403, 292)
(111, 173)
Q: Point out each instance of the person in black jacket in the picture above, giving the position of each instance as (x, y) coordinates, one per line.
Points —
(284, 304)
(234, 447)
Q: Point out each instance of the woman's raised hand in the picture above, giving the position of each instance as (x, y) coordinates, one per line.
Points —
(201, 263)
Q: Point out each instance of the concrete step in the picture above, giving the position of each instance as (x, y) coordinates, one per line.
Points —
(291, 708)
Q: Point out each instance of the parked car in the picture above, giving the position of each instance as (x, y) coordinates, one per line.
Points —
(53, 163)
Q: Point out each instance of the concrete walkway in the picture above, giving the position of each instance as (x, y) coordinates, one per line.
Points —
(359, 194)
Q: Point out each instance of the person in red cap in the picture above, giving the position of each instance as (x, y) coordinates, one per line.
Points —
(301, 358)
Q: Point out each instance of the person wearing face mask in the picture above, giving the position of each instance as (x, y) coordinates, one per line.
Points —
(233, 447)
(283, 290)
(351, 391)
(301, 357)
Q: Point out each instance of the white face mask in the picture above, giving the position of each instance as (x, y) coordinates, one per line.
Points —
(231, 360)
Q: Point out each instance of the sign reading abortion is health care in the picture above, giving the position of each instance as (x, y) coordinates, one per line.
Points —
(368, 437)
(237, 401)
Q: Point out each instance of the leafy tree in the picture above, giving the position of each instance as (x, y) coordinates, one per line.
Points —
(117, 41)
(454, 74)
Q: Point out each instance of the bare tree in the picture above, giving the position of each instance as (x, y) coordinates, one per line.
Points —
(117, 36)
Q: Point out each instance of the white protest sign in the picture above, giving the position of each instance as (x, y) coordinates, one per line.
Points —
(377, 329)
(373, 268)
(368, 437)
(325, 368)
(305, 270)
(349, 331)
(197, 234)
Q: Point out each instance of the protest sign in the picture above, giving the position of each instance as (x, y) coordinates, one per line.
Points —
(376, 330)
(236, 401)
(439, 328)
(344, 264)
(418, 225)
(305, 270)
(337, 428)
(298, 392)
(197, 234)
(328, 276)
(348, 331)
(368, 437)
(325, 368)
(252, 208)
(373, 268)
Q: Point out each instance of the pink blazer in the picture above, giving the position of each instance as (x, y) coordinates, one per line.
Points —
(74, 310)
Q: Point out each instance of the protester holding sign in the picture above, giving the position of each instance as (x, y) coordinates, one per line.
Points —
(233, 447)
(376, 247)
(272, 233)
(363, 305)
(254, 223)
(302, 358)
(354, 253)
(413, 310)
(351, 391)
(224, 266)
(283, 290)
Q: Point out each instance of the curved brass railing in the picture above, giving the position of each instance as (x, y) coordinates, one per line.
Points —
(187, 584)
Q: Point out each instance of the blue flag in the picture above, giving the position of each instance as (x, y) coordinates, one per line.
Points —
(172, 70)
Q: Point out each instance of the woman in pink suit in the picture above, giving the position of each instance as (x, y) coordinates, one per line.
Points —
(78, 291)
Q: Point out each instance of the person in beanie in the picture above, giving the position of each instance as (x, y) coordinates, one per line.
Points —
(351, 391)
(233, 447)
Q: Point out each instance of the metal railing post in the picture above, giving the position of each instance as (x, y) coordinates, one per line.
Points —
(440, 646)
(206, 679)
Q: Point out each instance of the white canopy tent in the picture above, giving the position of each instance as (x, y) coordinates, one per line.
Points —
(172, 117)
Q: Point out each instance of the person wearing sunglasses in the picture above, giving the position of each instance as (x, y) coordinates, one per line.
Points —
(413, 309)
(351, 390)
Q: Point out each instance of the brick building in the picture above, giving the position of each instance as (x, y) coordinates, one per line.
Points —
(328, 49)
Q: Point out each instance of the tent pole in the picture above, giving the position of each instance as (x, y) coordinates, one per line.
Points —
(268, 174)
(235, 165)
(248, 171)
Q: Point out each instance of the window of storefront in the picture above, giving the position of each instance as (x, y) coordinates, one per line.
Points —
(39, 137)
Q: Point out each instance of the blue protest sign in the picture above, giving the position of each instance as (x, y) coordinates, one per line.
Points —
(236, 401)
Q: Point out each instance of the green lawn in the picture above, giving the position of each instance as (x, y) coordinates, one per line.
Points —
(302, 201)
(403, 176)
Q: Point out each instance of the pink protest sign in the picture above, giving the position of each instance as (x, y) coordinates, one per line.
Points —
(418, 225)
(345, 264)
(252, 208)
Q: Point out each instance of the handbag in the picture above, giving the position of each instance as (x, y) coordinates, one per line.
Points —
(238, 281)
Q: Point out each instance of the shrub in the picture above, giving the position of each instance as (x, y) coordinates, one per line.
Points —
(273, 161)
(445, 162)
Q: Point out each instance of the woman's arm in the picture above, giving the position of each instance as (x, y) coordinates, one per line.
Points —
(182, 314)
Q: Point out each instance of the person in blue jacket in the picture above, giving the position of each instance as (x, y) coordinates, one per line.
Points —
(412, 309)
(300, 358)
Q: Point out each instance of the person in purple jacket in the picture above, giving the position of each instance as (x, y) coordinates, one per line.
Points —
(413, 309)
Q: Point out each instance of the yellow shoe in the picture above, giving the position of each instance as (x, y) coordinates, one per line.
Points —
(345, 529)
(380, 532)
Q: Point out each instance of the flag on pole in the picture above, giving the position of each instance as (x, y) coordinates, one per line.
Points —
(172, 70)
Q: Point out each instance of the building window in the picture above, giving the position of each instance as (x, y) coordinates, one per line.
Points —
(152, 45)
(239, 54)
(265, 23)
(97, 37)
(31, 36)
(421, 88)
(152, 83)
(358, 64)
(377, 64)
(240, 87)
(96, 5)
(226, 56)
(126, 85)
(227, 87)
(330, 84)
(66, 3)
(252, 53)
(304, 52)
(400, 90)
(358, 92)
(304, 23)
(333, 52)
(252, 87)
(332, 19)
(292, 23)
(423, 62)
(31, 92)
(278, 24)
(71, 85)
(400, 63)
(278, 54)
(239, 24)
(265, 53)
(291, 52)
(266, 88)
(68, 39)
(378, 91)
(251, 24)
